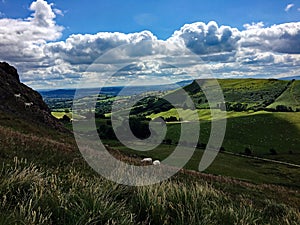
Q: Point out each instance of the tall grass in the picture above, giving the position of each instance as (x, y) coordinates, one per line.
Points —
(32, 195)
(177, 203)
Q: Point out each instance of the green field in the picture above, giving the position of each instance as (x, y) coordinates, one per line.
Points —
(259, 131)
(246, 169)
(60, 115)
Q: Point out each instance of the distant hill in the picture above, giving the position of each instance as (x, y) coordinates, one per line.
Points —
(130, 90)
(239, 95)
(20, 101)
(290, 78)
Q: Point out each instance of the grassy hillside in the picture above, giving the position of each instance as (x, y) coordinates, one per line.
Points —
(227, 165)
(44, 180)
(289, 98)
(239, 94)
(253, 93)
(260, 131)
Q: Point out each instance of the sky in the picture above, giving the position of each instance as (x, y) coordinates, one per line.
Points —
(60, 44)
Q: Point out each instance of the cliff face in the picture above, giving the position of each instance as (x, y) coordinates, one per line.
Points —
(21, 101)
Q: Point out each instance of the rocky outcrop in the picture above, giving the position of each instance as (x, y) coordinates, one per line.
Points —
(20, 100)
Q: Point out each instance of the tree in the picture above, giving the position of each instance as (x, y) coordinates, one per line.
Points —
(106, 132)
(273, 151)
(185, 106)
(171, 119)
(248, 151)
(167, 141)
(100, 115)
(201, 145)
(65, 118)
(283, 108)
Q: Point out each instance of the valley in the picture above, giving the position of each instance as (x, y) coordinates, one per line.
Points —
(45, 180)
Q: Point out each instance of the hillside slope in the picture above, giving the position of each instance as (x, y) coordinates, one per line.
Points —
(23, 102)
(289, 98)
(239, 95)
(253, 94)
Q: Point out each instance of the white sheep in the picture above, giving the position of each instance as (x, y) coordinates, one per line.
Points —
(156, 162)
(28, 104)
(147, 160)
(18, 95)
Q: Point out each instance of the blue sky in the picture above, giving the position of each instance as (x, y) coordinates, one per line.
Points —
(51, 41)
(160, 17)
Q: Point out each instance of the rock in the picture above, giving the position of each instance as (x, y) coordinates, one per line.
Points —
(9, 71)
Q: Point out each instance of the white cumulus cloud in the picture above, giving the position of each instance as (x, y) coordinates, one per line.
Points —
(203, 38)
(282, 38)
(288, 7)
(21, 39)
(31, 44)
